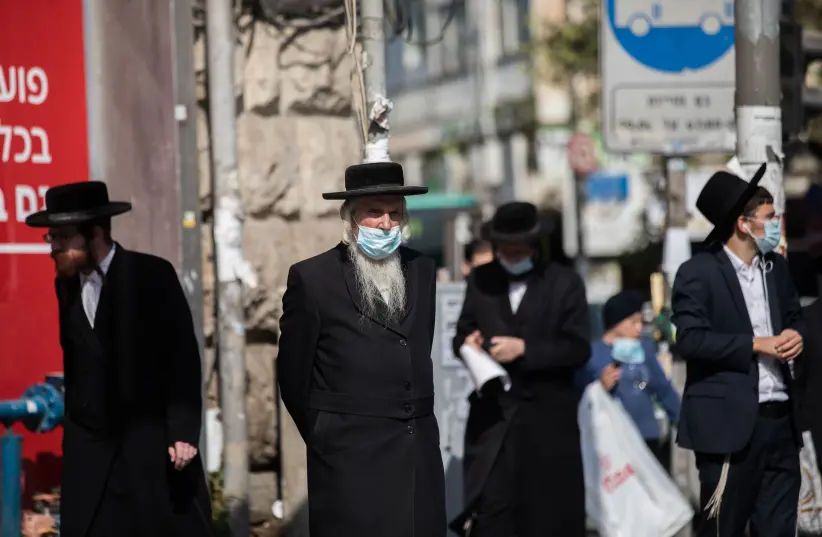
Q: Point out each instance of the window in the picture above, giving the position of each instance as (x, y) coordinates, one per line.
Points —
(532, 159)
(514, 21)
(433, 171)
(405, 54)
(455, 44)
(524, 18)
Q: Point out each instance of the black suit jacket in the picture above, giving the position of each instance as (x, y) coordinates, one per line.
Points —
(714, 336)
(133, 388)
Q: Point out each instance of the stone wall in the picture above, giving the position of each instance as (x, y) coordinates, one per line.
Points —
(296, 134)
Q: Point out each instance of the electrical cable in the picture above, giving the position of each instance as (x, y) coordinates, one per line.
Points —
(398, 13)
(351, 31)
(403, 24)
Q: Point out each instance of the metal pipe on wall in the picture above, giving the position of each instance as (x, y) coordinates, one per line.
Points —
(228, 235)
(187, 170)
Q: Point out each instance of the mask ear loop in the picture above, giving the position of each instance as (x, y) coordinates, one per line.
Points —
(767, 267)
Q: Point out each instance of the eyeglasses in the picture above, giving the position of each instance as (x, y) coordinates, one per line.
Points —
(762, 218)
(51, 238)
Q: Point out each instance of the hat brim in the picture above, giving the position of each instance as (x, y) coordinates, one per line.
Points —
(719, 230)
(73, 218)
(377, 190)
(497, 237)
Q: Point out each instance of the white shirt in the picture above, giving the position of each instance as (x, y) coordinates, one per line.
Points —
(516, 290)
(771, 383)
(92, 286)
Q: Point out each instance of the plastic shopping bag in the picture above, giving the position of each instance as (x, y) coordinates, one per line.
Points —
(809, 519)
(627, 492)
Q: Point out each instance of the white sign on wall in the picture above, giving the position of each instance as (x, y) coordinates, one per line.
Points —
(667, 71)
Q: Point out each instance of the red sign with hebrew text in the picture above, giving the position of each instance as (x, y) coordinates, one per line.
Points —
(43, 143)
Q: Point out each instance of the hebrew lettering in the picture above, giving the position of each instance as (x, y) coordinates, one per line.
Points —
(4, 215)
(33, 145)
(25, 201)
(21, 84)
(43, 157)
(41, 192)
(27, 85)
(25, 154)
(5, 149)
(8, 86)
(37, 84)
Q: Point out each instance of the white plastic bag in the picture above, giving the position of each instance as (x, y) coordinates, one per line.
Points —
(809, 519)
(627, 492)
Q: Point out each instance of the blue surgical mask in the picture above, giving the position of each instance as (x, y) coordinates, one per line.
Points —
(519, 268)
(379, 243)
(628, 351)
(773, 234)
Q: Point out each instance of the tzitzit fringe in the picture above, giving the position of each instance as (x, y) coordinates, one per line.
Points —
(715, 502)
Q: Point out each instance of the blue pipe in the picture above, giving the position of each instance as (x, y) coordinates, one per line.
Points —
(40, 410)
(22, 408)
(11, 492)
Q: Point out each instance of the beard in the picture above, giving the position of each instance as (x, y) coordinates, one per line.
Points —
(69, 263)
(381, 284)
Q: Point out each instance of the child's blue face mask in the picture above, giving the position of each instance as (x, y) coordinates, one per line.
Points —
(628, 351)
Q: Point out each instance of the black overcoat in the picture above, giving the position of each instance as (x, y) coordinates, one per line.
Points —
(536, 422)
(808, 372)
(362, 396)
(132, 389)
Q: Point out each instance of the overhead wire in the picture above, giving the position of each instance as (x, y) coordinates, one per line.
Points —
(402, 25)
(351, 30)
(399, 15)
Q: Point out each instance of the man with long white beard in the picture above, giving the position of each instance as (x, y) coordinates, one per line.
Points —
(354, 369)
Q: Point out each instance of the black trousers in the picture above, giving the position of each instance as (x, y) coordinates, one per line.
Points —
(661, 450)
(521, 501)
(763, 483)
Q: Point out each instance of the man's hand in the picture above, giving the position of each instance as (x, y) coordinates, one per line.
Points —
(474, 339)
(610, 376)
(181, 454)
(767, 346)
(506, 349)
(790, 344)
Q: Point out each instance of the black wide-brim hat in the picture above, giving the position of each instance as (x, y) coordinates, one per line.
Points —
(77, 203)
(723, 199)
(514, 222)
(375, 179)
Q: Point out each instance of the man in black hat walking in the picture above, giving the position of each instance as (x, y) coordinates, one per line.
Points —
(354, 369)
(132, 379)
(739, 327)
(523, 465)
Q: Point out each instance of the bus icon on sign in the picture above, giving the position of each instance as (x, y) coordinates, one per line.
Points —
(640, 17)
(672, 36)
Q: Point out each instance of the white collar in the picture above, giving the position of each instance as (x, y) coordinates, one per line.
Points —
(738, 264)
(104, 265)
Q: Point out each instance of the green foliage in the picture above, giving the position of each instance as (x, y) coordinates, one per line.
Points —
(219, 507)
(573, 47)
(809, 13)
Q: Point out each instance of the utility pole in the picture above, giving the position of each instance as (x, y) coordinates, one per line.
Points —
(373, 70)
(758, 96)
(676, 248)
(231, 268)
